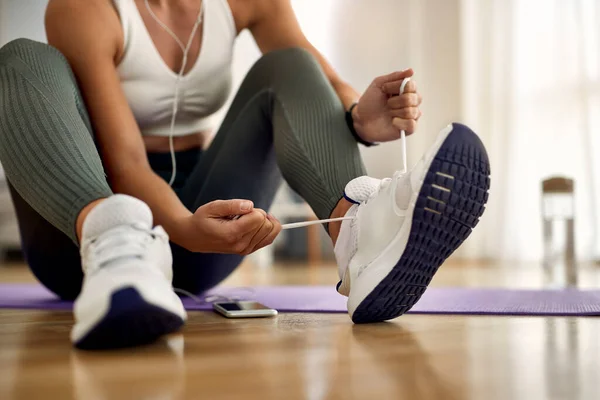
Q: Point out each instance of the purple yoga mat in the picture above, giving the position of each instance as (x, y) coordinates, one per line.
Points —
(326, 299)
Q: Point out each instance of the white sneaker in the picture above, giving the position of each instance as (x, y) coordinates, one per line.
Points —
(126, 298)
(407, 225)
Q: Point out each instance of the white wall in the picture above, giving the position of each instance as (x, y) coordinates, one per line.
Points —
(22, 18)
(372, 38)
(367, 38)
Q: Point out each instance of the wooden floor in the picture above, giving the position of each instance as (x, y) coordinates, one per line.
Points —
(316, 356)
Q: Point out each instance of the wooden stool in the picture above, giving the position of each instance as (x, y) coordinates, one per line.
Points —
(558, 204)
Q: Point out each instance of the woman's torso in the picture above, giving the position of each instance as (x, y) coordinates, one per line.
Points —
(150, 56)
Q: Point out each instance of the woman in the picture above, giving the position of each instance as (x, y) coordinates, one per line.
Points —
(84, 140)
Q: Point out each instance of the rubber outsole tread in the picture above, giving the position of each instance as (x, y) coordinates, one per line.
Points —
(449, 205)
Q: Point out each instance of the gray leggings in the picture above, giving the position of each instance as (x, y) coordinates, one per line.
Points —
(285, 117)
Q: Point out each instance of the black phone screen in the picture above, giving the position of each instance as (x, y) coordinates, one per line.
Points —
(243, 305)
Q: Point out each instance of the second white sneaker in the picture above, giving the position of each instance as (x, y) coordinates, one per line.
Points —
(406, 226)
(127, 298)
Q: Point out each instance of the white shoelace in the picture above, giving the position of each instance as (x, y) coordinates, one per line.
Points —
(132, 241)
(402, 133)
(127, 242)
(384, 181)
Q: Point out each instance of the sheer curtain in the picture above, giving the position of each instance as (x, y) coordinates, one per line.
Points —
(525, 74)
(531, 88)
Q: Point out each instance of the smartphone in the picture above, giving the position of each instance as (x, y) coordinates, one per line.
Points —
(243, 309)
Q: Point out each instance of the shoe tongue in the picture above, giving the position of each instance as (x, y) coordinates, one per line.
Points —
(347, 244)
(359, 189)
(117, 210)
(403, 191)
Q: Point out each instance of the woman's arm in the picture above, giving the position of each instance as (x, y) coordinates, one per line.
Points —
(274, 26)
(88, 33)
(381, 113)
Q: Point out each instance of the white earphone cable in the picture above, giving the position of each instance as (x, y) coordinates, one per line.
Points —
(185, 49)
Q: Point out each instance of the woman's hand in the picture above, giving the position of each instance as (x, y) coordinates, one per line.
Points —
(382, 112)
(216, 228)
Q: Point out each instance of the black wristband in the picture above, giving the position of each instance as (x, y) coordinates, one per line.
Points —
(350, 123)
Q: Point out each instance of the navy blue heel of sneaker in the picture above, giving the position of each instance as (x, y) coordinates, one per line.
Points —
(130, 321)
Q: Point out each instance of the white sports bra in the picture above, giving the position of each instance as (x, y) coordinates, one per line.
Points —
(149, 84)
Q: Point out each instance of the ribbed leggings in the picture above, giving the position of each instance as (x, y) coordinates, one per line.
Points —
(286, 120)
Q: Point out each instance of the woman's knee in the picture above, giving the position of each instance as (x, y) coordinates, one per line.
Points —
(294, 54)
(296, 60)
(59, 272)
(31, 53)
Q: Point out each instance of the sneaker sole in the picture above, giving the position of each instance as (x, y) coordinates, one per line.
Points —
(448, 207)
(130, 321)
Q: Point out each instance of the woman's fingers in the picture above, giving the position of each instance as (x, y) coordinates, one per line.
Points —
(407, 125)
(258, 235)
(393, 88)
(267, 240)
(394, 76)
(404, 100)
(406, 113)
